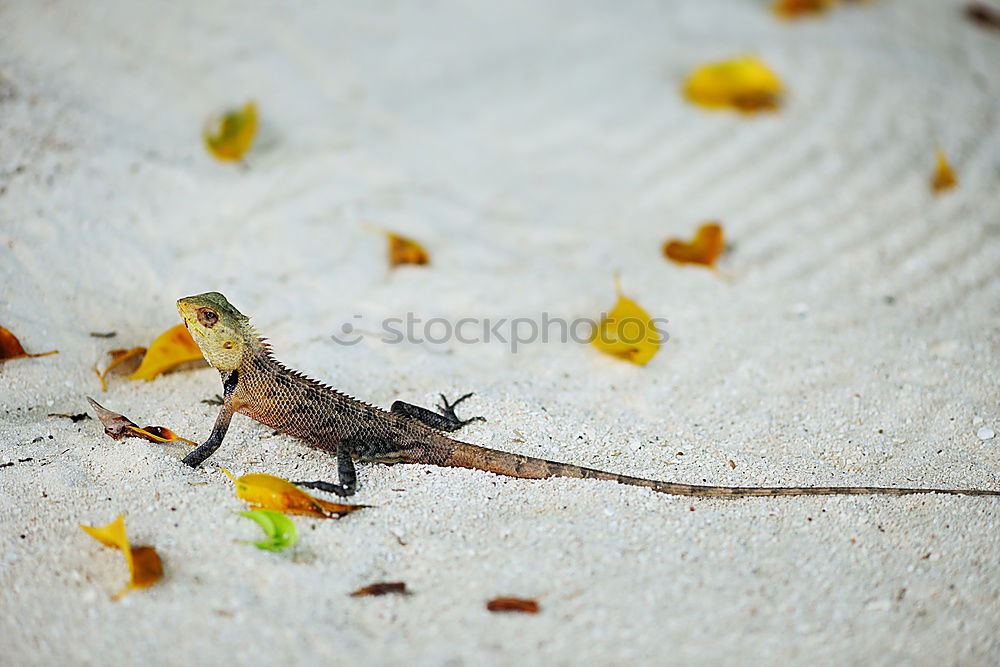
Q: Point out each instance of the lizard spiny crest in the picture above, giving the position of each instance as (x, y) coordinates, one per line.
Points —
(222, 332)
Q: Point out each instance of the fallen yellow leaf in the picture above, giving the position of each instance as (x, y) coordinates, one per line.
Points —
(171, 348)
(144, 565)
(261, 491)
(404, 250)
(745, 84)
(793, 9)
(627, 332)
(943, 178)
(229, 136)
(705, 248)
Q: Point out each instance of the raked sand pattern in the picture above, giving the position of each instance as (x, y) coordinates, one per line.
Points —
(535, 149)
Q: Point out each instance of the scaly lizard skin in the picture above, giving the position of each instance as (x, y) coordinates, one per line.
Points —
(257, 385)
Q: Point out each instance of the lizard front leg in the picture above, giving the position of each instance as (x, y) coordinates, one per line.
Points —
(207, 448)
(444, 419)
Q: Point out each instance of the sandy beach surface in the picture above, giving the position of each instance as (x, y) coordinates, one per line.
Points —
(851, 336)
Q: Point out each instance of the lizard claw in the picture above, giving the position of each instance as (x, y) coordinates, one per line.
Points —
(447, 410)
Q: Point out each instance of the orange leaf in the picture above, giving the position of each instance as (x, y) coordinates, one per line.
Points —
(745, 84)
(144, 565)
(793, 9)
(261, 491)
(403, 250)
(229, 136)
(627, 332)
(118, 357)
(513, 604)
(705, 248)
(943, 178)
(159, 434)
(10, 347)
(172, 348)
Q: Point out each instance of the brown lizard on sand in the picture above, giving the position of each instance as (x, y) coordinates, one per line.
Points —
(258, 386)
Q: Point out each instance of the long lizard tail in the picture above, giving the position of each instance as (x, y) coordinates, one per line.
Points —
(463, 455)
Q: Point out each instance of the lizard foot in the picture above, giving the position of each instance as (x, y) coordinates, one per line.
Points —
(447, 411)
(444, 419)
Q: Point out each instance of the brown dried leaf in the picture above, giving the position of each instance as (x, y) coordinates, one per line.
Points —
(10, 347)
(119, 426)
(381, 588)
(513, 604)
(115, 425)
(118, 357)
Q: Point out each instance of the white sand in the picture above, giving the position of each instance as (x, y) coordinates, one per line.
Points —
(534, 150)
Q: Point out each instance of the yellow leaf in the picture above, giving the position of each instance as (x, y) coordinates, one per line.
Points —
(745, 84)
(705, 248)
(403, 250)
(230, 135)
(111, 535)
(793, 9)
(261, 491)
(627, 332)
(144, 565)
(943, 178)
(10, 347)
(172, 348)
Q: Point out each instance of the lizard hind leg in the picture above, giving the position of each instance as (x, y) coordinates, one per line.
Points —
(444, 419)
(345, 469)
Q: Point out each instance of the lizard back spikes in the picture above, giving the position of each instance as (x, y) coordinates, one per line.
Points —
(258, 386)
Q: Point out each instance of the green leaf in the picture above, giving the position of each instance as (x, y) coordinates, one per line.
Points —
(278, 528)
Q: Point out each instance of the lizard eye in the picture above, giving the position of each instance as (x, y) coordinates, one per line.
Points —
(207, 317)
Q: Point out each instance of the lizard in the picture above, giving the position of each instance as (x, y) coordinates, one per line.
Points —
(259, 386)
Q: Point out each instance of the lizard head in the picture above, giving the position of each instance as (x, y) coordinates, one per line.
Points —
(222, 332)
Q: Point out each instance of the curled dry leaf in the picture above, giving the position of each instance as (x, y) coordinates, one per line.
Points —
(943, 178)
(229, 136)
(381, 588)
(119, 426)
(705, 248)
(627, 331)
(279, 529)
(745, 84)
(793, 9)
(170, 349)
(262, 491)
(513, 604)
(144, 565)
(403, 250)
(10, 347)
(118, 357)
